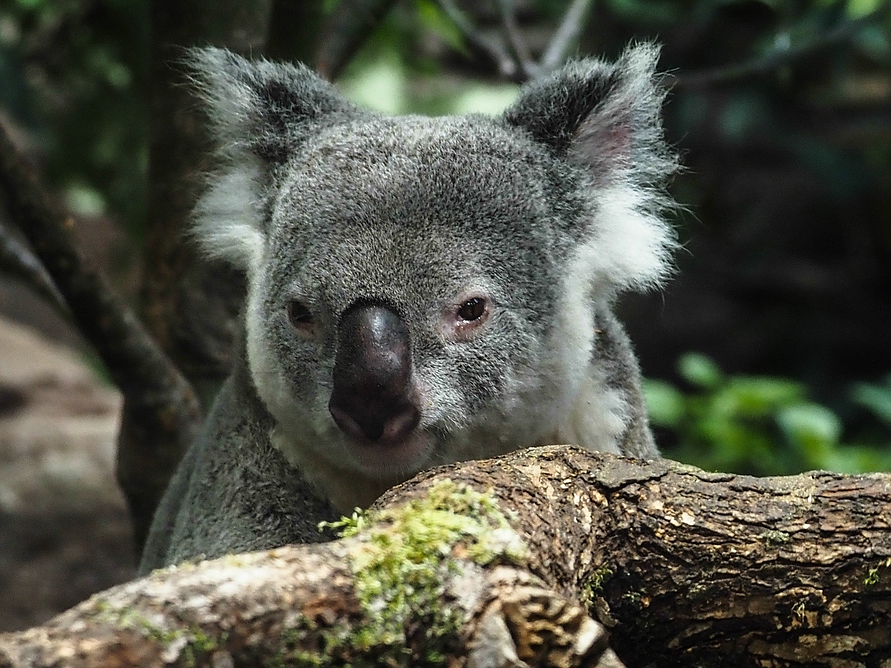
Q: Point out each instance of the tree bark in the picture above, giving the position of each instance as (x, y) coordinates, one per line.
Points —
(189, 305)
(683, 567)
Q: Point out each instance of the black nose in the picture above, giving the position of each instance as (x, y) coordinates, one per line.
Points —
(372, 395)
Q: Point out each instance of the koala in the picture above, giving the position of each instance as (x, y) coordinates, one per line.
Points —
(421, 291)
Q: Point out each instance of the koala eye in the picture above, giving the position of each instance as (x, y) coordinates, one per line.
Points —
(465, 317)
(299, 316)
(472, 309)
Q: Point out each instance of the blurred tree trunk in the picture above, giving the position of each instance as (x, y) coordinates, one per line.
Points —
(188, 304)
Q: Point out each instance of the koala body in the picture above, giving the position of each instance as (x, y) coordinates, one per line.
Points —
(421, 290)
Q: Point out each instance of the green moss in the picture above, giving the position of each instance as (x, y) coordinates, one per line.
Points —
(405, 557)
(405, 560)
(632, 597)
(598, 579)
(873, 574)
(773, 538)
(293, 656)
(195, 643)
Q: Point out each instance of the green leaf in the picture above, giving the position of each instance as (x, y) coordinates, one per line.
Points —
(381, 85)
(84, 200)
(700, 370)
(665, 403)
(858, 459)
(436, 20)
(814, 430)
(857, 8)
(758, 395)
(489, 99)
(810, 421)
(875, 398)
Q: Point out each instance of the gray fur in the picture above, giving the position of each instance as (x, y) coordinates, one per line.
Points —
(545, 214)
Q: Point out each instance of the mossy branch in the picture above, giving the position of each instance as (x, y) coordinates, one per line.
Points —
(493, 563)
(414, 584)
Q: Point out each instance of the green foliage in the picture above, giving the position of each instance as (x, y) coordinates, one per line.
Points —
(74, 73)
(394, 73)
(386, 84)
(761, 425)
(648, 11)
(434, 19)
(875, 398)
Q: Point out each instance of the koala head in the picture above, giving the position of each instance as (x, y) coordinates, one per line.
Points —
(422, 290)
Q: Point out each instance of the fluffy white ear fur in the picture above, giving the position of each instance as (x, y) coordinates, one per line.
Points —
(630, 246)
(259, 114)
(621, 141)
(229, 100)
(228, 218)
(607, 118)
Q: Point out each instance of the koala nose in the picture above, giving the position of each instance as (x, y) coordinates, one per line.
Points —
(371, 399)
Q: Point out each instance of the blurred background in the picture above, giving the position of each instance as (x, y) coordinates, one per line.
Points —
(768, 353)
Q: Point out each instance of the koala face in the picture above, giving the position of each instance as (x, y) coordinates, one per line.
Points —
(423, 290)
(406, 292)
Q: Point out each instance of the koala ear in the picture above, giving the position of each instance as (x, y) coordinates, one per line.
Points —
(260, 113)
(266, 108)
(607, 117)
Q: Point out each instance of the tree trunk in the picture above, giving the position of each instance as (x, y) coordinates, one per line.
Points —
(683, 567)
(188, 304)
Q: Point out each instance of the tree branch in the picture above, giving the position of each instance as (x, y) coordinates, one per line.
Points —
(566, 36)
(507, 66)
(681, 565)
(17, 260)
(344, 32)
(190, 306)
(524, 66)
(779, 57)
(516, 39)
(153, 388)
(455, 587)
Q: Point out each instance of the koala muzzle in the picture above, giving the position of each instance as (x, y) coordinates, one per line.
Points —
(372, 395)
